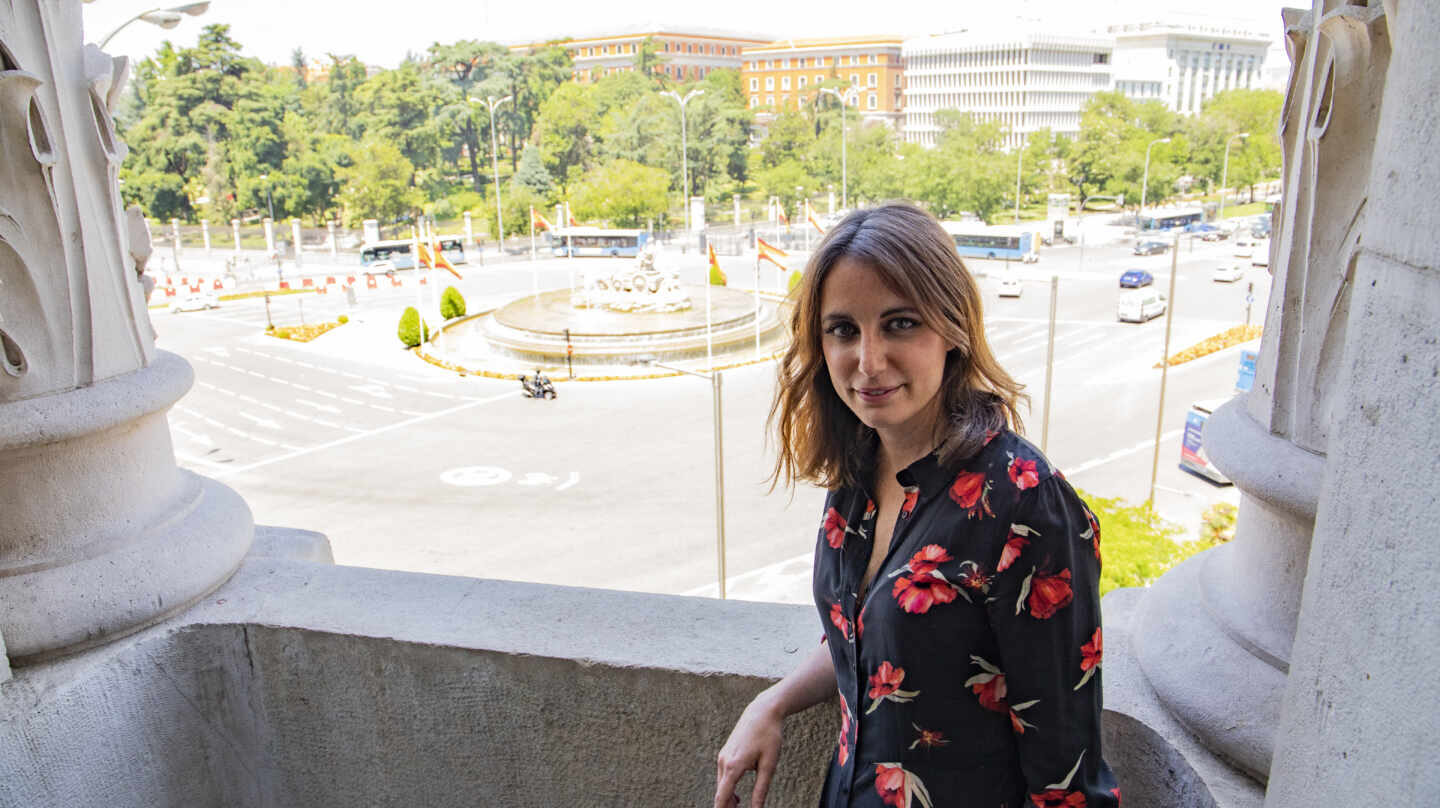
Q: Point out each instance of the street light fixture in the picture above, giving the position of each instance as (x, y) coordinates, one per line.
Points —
(492, 103)
(843, 97)
(1144, 183)
(1225, 173)
(163, 17)
(684, 146)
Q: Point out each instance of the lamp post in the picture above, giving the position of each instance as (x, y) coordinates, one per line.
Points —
(491, 103)
(684, 147)
(1019, 156)
(843, 98)
(1144, 183)
(1225, 172)
(269, 204)
(163, 17)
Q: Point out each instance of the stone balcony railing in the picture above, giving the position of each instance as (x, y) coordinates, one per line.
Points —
(299, 682)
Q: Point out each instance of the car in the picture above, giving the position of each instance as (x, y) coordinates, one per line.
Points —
(1139, 305)
(1243, 248)
(1010, 286)
(1227, 274)
(1262, 254)
(1151, 248)
(194, 301)
(1136, 278)
(1214, 235)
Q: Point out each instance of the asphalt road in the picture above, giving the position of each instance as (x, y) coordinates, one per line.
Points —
(406, 466)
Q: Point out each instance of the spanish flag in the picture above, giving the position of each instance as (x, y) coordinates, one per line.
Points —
(785, 220)
(438, 261)
(717, 275)
(771, 253)
(810, 215)
(573, 223)
(537, 220)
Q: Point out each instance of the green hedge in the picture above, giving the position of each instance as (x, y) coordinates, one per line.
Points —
(1136, 545)
(410, 325)
(452, 303)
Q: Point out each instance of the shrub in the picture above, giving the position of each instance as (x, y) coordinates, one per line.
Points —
(717, 278)
(283, 333)
(343, 319)
(795, 278)
(452, 303)
(410, 327)
(1217, 524)
(1137, 546)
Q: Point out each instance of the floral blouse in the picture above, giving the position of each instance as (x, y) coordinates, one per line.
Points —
(970, 676)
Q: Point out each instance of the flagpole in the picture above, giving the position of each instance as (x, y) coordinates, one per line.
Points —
(709, 334)
(757, 306)
(419, 301)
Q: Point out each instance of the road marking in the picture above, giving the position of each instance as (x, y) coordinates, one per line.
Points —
(320, 407)
(257, 420)
(474, 402)
(199, 461)
(202, 439)
(795, 571)
(347, 374)
(349, 400)
(475, 476)
(1119, 453)
(376, 389)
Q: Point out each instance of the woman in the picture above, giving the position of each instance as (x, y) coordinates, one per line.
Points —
(956, 572)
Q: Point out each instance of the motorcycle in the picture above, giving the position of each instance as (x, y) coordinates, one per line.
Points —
(537, 386)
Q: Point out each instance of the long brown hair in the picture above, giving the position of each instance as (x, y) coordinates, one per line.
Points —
(820, 440)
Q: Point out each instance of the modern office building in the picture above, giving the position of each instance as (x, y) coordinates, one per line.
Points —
(1183, 64)
(787, 74)
(685, 54)
(1027, 80)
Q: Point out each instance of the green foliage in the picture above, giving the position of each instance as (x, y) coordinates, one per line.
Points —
(966, 171)
(452, 303)
(1137, 546)
(790, 182)
(409, 329)
(283, 333)
(342, 319)
(1217, 523)
(532, 174)
(794, 281)
(622, 192)
(717, 276)
(377, 185)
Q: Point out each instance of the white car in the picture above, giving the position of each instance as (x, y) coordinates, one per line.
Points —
(1262, 254)
(1243, 248)
(1227, 274)
(1140, 305)
(194, 301)
(1010, 286)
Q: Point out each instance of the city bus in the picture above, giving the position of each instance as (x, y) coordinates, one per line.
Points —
(597, 241)
(1171, 219)
(1002, 242)
(397, 252)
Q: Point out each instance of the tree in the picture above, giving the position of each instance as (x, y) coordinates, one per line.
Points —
(789, 138)
(564, 128)
(966, 171)
(1252, 159)
(409, 330)
(789, 181)
(623, 192)
(532, 174)
(464, 66)
(377, 184)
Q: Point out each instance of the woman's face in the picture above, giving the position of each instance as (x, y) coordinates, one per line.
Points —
(885, 362)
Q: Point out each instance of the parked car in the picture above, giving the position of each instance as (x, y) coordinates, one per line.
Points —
(194, 301)
(1227, 274)
(1261, 257)
(1010, 286)
(1151, 248)
(1140, 305)
(1136, 278)
(1243, 247)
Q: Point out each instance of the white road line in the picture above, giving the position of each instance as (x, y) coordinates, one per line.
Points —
(320, 407)
(268, 423)
(349, 400)
(1119, 453)
(198, 461)
(203, 440)
(349, 375)
(410, 412)
(377, 431)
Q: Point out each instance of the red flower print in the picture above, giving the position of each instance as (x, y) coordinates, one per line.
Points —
(974, 578)
(989, 685)
(971, 491)
(869, 510)
(927, 559)
(1090, 657)
(929, 738)
(1049, 594)
(885, 686)
(897, 787)
(1058, 798)
(834, 529)
(912, 493)
(860, 625)
(1018, 724)
(1017, 541)
(837, 616)
(844, 751)
(1093, 532)
(1023, 474)
(1116, 792)
(916, 595)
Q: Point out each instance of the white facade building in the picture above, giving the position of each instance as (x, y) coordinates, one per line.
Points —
(1028, 80)
(1183, 64)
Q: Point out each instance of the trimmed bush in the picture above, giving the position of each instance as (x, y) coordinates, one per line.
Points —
(283, 333)
(717, 278)
(452, 303)
(410, 325)
(343, 319)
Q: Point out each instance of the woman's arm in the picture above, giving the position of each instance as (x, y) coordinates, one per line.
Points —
(755, 741)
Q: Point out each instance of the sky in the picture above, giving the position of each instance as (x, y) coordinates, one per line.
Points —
(381, 33)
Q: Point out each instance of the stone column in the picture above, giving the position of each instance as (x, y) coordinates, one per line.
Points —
(269, 237)
(735, 202)
(330, 236)
(175, 233)
(235, 229)
(469, 231)
(295, 236)
(102, 534)
(205, 234)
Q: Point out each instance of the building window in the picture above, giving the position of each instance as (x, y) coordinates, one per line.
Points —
(754, 101)
(769, 100)
(769, 82)
(872, 59)
(784, 82)
(872, 80)
(754, 84)
(854, 79)
(1102, 58)
(819, 77)
(785, 63)
(801, 82)
(872, 101)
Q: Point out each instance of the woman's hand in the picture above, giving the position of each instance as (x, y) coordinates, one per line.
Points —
(754, 745)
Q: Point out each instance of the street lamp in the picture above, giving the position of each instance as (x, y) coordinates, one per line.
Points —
(163, 17)
(1019, 156)
(1225, 173)
(269, 205)
(684, 146)
(491, 103)
(843, 98)
(1145, 182)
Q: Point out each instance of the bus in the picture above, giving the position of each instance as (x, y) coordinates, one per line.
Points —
(1171, 219)
(597, 241)
(397, 252)
(1004, 242)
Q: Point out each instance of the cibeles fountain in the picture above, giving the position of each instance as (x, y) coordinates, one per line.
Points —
(101, 533)
(625, 317)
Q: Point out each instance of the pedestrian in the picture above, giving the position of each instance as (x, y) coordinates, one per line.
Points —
(956, 572)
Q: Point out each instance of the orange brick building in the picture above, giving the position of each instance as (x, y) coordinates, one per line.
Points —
(786, 74)
(683, 56)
